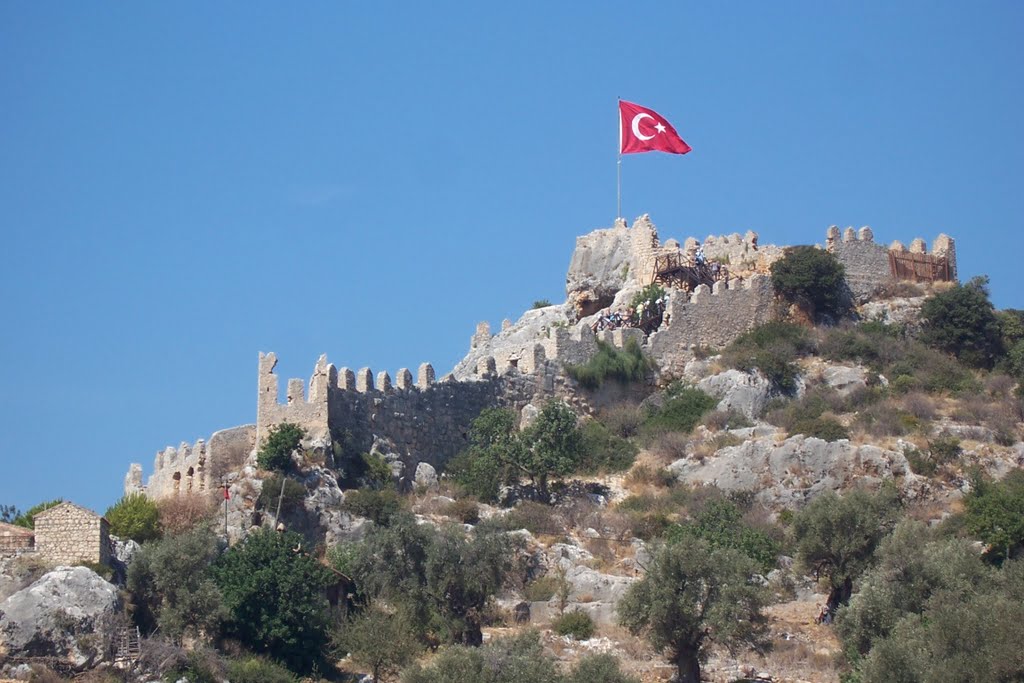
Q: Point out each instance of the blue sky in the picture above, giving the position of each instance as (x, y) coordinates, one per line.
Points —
(183, 185)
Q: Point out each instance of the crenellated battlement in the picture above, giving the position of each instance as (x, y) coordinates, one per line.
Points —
(870, 265)
(197, 468)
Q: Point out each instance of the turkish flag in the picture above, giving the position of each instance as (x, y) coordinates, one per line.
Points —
(645, 130)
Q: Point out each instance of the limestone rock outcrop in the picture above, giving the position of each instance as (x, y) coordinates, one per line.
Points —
(746, 393)
(599, 267)
(69, 614)
(798, 469)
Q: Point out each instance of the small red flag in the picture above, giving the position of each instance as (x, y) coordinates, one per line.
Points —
(227, 496)
(645, 130)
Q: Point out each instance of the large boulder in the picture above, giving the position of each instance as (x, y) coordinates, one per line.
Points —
(746, 393)
(71, 614)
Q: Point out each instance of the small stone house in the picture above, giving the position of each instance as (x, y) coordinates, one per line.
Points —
(14, 539)
(69, 533)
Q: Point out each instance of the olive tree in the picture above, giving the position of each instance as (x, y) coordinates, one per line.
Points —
(836, 537)
(692, 596)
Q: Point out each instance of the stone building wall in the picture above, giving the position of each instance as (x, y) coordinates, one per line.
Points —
(68, 533)
(710, 317)
(15, 539)
(867, 262)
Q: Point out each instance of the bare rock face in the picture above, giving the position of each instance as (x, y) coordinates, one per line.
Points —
(796, 470)
(426, 476)
(70, 613)
(741, 392)
(599, 268)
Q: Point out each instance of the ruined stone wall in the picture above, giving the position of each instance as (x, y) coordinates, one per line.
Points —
(425, 420)
(194, 468)
(710, 317)
(67, 534)
(867, 263)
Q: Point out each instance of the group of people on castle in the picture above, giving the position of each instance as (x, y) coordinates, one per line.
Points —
(647, 316)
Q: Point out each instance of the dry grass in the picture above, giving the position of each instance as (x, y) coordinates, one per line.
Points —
(183, 512)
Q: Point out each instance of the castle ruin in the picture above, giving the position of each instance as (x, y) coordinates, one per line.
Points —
(427, 420)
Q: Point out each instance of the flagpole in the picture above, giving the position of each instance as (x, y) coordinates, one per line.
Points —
(618, 169)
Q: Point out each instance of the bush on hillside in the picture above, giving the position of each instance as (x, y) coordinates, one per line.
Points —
(378, 506)
(994, 512)
(603, 451)
(720, 523)
(276, 451)
(291, 497)
(962, 322)
(292, 626)
(624, 366)
(814, 280)
(135, 516)
(258, 670)
(682, 410)
(577, 624)
(773, 349)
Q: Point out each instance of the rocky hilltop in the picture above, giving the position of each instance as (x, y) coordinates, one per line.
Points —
(705, 408)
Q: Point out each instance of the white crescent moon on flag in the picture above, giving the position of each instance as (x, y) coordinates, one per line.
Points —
(636, 126)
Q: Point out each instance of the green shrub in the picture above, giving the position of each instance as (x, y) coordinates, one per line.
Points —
(258, 670)
(718, 420)
(541, 303)
(378, 506)
(681, 412)
(466, 510)
(721, 525)
(871, 343)
(771, 348)
(814, 280)
(376, 471)
(512, 659)
(624, 366)
(994, 512)
(599, 668)
(276, 598)
(603, 451)
(945, 449)
(276, 452)
(962, 322)
(920, 463)
(135, 516)
(826, 428)
(291, 500)
(537, 518)
(577, 624)
(542, 589)
(27, 519)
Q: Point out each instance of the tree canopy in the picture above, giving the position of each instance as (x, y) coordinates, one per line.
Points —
(836, 537)
(273, 592)
(694, 595)
(962, 322)
(814, 280)
(135, 516)
(276, 451)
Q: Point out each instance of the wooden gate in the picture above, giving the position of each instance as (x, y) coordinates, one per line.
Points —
(918, 267)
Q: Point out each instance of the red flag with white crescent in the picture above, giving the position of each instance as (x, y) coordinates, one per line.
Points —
(645, 130)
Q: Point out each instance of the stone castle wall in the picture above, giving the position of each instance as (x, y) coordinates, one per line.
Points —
(710, 316)
(867, 262)
(423, 419)
(67, 534)
(195, 468)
